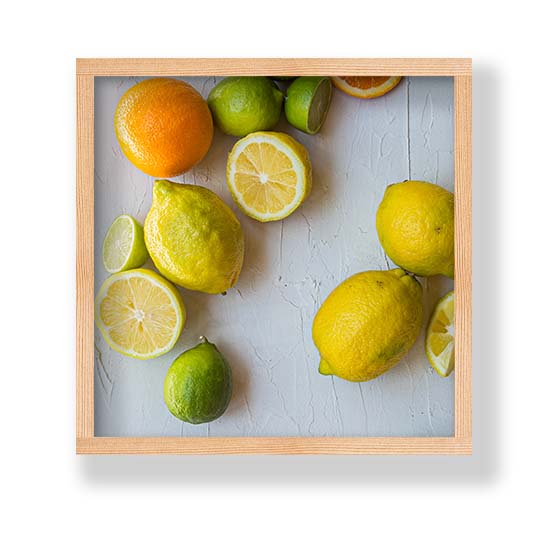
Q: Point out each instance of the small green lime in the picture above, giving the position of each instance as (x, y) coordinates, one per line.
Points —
(198, 385)
(307, 103)
(124, 246)
(241, 105)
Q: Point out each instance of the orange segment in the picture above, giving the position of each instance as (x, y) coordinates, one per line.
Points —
(366, 87)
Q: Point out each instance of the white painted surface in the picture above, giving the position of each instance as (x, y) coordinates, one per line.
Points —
(263, 325)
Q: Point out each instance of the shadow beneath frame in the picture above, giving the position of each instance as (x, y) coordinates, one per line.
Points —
(481, 469)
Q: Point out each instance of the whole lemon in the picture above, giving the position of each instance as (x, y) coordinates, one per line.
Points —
(415, 224)
(163, 126)
(367, 324)
(193, 237)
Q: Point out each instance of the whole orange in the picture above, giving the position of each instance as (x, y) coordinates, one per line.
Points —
(164, 126)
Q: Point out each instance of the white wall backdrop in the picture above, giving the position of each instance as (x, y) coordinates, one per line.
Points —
(48, 489)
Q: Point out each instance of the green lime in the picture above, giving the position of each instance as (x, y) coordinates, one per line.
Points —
(241, 105)
(198, 384)
(307, 103)
(124, 247)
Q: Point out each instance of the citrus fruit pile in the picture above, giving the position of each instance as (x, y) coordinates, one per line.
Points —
(364, 327)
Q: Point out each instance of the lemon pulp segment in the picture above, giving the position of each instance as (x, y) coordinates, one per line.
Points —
(440, 336)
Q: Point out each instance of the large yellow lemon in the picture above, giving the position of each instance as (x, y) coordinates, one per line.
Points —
(367, 324)
(193, 237)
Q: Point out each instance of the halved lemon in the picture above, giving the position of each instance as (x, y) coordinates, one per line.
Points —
(366, 87)
(139, 313)
(269, 175)
(439, 343)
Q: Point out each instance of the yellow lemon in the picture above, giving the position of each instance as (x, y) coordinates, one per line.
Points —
(439, 344)
(269, 175)
(193, 237)
(415, 224)
(367, 324)
(139, 313)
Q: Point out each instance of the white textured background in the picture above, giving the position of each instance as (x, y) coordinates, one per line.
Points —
(263, 324)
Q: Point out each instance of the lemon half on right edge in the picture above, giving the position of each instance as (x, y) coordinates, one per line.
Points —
(439, 343)
(269, 175)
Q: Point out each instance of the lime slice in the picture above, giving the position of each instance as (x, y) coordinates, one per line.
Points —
(269, 175)
(307, 103)
(139, 313)
(439, 343)
(124, 247)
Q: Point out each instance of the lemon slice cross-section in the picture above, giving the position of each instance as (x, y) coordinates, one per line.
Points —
(440, 336)
(269, 175)
(139, 313)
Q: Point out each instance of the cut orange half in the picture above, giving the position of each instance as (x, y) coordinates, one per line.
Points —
(366, 87)
(269, 175)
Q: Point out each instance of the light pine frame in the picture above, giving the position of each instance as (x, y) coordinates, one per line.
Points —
(86, 70)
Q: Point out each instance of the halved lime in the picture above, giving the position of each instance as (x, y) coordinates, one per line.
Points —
(307, 103)
(124, 246)
(439, 343)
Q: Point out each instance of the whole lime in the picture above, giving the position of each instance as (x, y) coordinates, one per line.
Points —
(242, 105)
(198, 385)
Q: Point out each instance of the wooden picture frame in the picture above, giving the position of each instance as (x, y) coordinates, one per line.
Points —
(86, 441)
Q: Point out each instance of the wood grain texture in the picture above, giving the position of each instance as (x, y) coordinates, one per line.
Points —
(274, 66)
(273, 445)
(463, 259)
(84, 256)
(86, 442)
